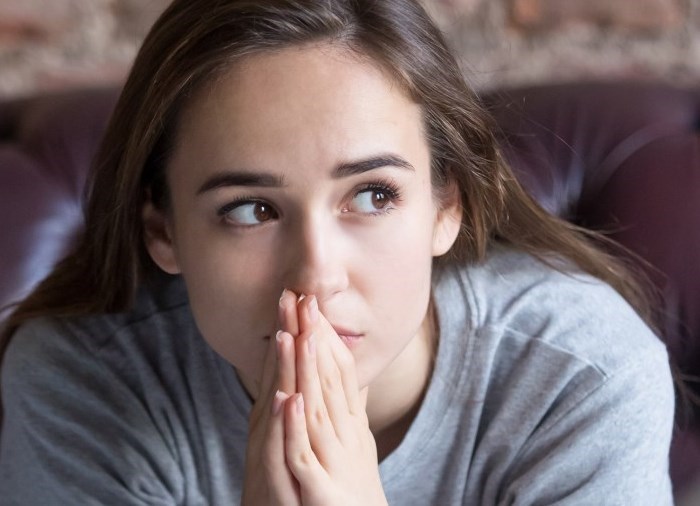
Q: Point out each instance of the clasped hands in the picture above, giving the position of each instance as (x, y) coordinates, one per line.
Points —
(309, 439)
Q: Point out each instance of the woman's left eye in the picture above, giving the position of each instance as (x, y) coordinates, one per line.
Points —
(370, 201)
(373, 200)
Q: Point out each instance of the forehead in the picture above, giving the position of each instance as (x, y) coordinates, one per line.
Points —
(316, 105)
(296, 68)
(299, 81)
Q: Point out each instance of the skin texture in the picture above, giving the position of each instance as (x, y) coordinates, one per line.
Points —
(358, 243)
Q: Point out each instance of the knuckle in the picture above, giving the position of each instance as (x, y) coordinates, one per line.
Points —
(302, 459)
(362, 421)
(319, 416)
(330, 381)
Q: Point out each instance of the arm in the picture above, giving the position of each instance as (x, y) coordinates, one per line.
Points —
(73, 432)
(609, 449)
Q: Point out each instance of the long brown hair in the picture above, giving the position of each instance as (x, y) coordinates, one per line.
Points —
(193, 42)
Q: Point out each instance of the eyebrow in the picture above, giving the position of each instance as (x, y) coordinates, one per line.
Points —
(347, 169)
(354, 168)
(240, 178)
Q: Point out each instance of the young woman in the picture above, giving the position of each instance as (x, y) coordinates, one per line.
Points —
(308, 277)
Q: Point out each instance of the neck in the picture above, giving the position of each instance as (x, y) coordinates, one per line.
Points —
(395, 396)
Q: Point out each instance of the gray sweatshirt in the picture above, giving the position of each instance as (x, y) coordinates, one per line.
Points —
(547, 389)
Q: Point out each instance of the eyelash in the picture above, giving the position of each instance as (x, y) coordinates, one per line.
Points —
(386, 186)
(230, 206)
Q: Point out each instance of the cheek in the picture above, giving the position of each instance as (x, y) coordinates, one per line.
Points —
(396, 285)
(402, 289)
(399, 255)
(233, 300)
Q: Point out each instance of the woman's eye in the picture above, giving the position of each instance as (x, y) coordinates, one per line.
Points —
(370, 201)
(250, 213)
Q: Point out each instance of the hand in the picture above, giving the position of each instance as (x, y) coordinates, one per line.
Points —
(268, 480)
(329, 447)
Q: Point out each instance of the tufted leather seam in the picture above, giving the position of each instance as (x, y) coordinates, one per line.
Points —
(624, 150)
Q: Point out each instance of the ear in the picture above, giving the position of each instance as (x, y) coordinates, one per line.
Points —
(448, 221)
(159, 238)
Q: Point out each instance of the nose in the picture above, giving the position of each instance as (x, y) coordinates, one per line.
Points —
(317, 258)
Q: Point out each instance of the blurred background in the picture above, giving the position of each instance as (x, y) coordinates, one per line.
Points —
(56, 45)
(60, 44)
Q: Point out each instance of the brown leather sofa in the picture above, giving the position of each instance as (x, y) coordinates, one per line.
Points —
(619, 157)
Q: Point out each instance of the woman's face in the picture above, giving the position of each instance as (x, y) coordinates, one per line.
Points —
(304, 169)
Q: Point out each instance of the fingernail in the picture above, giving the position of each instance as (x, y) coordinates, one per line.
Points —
(301, 297)
(311, 345)
(277, 402)
(300, 404)
(313, 309)
(284, 292)
(278, 336)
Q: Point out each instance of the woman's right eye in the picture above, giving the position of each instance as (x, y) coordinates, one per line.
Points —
(248, 213)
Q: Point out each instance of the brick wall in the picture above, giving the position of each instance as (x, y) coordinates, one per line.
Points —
(49, 45)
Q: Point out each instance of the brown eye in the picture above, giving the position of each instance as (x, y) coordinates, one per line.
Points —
(370, 201)
(263, 212)
(379, 199)
(250, 213)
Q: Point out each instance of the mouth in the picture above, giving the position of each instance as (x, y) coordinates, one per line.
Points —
(349, 337)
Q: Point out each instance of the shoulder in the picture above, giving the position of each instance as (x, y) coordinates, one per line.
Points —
(45, 348)
(110, 384)
(515, 295)
(559, 362)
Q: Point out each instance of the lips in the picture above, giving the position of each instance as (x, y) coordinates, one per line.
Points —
(344, 331)
(349, 337)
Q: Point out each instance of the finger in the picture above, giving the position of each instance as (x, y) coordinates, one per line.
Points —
(348, 374)
(270, 366)
(300, 457)
(287, 312)
(319, 425)
(307, 313)
(283, 487)
(343, 358)
(330, 380)
(286, 363)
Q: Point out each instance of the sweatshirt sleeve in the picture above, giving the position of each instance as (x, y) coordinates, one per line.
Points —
(73, 432)
(609, 449)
